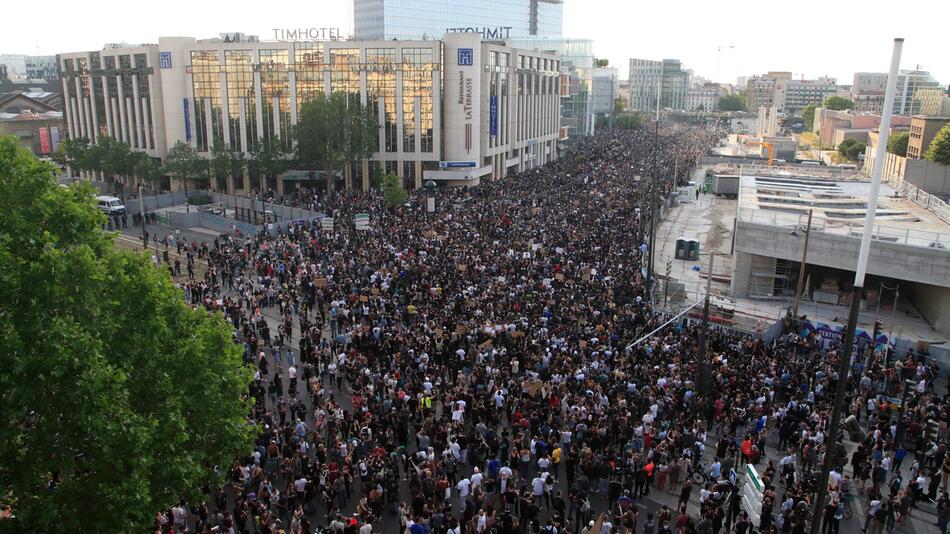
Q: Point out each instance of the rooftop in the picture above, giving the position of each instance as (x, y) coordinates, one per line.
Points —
(839, 207)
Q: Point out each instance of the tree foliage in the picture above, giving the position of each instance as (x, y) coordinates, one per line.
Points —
(734, 102)
(939, 149)
(335, 130)
(393, 190)
(628, 121)
(184, 162)
(897, 143)
(851, 149)
(838, 103)
(808, 115)
(226, 162)
(116, 398)
(268, 158)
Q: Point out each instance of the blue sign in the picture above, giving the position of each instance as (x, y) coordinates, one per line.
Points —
(187, 120)
(456, 164)
(466, 56)
(165, 60)
(493, 116)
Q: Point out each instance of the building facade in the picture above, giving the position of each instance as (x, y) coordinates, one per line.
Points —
(799, 94)
(605, 90)
(922, 131)
(577, 65)
(236, 93)
(19, 66)
(703, 98)
(917, 93)
(650, 79)
(424, 19)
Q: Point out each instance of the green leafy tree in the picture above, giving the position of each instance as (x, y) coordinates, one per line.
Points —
(116, 398)
(72, 152)
(619, 106)
(333, 131)
(269, 158)
(628, 121)
(897, 143)
(734, 102)
(603, 62)
(845, 145)
(851, 149)
(184, 162)
(939, 149)
(838, 103)
(393, 190)
(808, 115)
(146, 168)
(225, 162)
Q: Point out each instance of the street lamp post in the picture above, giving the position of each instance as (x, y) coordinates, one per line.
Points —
(429, 187)
(702, 376)
(844, 363)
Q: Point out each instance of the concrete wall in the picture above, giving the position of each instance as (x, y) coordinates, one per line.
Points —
(934, 303)
(932, 177)
(917, 264)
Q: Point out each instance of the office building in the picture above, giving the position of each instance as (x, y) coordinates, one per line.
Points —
(458, 110)
(577, 64)
(606, 89)
(650, 78)
(777, 89)
(703, 97)
(918, 93)
(23, 66)
(922, 132)
(492, 19)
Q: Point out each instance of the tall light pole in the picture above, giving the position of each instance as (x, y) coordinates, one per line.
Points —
(845, 359)
(654, 184)
(702, 375)
(718, 53)
(801, 269)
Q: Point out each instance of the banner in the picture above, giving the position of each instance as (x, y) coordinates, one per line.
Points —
(835, 334)
(54, 135)
(187, 121)
(44, 140)
(493, 116)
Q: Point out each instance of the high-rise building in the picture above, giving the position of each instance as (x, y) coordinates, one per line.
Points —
(918, 93)
(777, 89)
(457, 109)
(428, 19)
(20, 66)
(577, 64)
(650, 78)
(605, 90)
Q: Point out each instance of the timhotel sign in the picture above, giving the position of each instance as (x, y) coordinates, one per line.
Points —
(307, 34)
(487, 32)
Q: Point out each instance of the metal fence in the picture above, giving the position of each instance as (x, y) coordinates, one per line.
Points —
(280, 211)
(923, 199)
(155, 202)
(881, 232)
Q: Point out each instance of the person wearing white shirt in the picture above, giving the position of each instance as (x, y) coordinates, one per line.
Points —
(537, 486)
(464, 486)
(504, 474)
(476, 479)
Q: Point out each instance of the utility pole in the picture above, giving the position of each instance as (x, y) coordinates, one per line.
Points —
(801, 270)
(654, 183)
(702, 376)
(844, 363)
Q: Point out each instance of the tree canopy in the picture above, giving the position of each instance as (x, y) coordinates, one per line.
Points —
(897, 143)
(808, 115)
(393, 190)
(851, 149)
(838, 103)
(939, 149)
(335, 130)
(184, 162)
(734, 102)
(116, 398)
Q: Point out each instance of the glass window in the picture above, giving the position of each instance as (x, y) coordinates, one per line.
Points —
(310, 69)
(381, 87)
(417, 67)
(275, 87)
(206, 69)
(239, 73)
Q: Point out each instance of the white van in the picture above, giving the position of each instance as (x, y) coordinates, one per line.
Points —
(110, 205)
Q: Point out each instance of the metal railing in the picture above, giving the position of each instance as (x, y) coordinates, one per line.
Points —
(922, 198)
(881, 232)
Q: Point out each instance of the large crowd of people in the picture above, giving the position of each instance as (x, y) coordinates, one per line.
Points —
(471, 370)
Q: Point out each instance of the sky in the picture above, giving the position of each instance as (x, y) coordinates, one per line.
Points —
(810, 38)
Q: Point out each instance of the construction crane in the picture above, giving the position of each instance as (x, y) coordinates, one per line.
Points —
(533, 20)
(767, 145)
